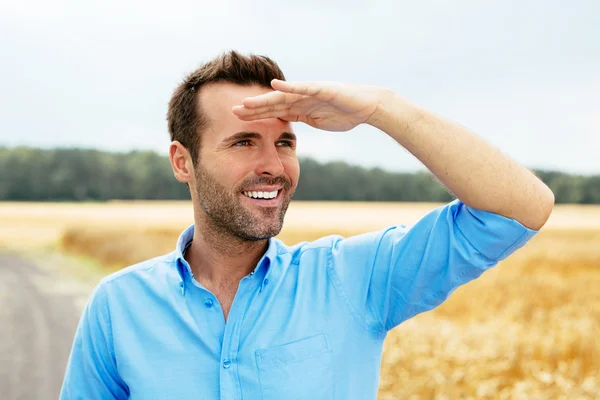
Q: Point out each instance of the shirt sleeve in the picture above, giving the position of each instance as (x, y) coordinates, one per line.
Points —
(389, 276)
(91, 371)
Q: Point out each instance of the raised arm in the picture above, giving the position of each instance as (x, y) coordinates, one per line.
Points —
(477, 173)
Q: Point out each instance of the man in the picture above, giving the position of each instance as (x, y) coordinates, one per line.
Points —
(233, 313)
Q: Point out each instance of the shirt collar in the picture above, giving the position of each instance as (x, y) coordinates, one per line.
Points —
(183, 268)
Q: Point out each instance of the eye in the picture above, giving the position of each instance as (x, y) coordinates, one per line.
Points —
(285, 143)
(242, 143)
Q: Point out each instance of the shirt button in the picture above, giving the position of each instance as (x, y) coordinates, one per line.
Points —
(226, 364)
(266, 281)
(208, 303)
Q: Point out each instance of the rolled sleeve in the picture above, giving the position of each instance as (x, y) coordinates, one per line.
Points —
(493, 235)
(394, 274)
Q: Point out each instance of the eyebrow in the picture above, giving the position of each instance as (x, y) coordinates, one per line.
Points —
(287, 135)
(256, 135)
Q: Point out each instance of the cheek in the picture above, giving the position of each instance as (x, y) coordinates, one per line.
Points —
(229, 168)
(292, 170)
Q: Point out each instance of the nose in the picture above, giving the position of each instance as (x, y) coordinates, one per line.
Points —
(269, 163)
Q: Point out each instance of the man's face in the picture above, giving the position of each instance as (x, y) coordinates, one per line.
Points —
(247, 170)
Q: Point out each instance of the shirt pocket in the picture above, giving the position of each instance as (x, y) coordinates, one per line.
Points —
(299, 370)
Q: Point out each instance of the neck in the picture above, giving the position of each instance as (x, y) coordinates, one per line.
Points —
(218, 258)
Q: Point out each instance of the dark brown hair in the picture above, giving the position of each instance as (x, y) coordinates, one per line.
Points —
(185, 118)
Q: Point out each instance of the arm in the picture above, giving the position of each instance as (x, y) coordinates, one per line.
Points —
(394, 274)
(477, 173)
(91, 371)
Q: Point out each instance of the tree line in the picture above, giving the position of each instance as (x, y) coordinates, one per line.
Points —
(71, 174)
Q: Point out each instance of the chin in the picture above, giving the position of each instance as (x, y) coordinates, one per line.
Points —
(255, 238)
(262, 234)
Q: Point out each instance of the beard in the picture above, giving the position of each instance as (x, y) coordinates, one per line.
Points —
(227, 214)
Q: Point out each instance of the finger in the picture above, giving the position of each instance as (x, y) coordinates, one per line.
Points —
(243, 111)
(303, 88)
(292, 118)
(270, 98)
(282, 114)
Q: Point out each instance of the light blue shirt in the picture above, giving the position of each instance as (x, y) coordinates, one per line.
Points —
(308, 323)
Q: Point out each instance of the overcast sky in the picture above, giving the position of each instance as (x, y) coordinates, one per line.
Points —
(525, 75)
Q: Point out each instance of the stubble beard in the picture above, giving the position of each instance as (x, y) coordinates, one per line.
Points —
(227, 215)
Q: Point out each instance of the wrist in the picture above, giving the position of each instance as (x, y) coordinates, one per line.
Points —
(392, 111)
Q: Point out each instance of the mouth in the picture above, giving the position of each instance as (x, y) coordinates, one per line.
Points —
(268, 197)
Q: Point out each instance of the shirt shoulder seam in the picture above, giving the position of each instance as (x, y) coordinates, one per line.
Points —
(134, 268)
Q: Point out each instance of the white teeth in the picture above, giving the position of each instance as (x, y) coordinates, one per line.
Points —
(262, 195)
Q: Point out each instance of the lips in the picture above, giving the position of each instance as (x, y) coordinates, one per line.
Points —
(263, 197)
(261, 194)
(264, 191)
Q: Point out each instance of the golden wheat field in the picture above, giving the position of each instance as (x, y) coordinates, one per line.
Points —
(527, 329)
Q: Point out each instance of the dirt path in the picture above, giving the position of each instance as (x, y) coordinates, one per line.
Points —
(37, 324)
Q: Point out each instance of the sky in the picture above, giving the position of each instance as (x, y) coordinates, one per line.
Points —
(523, 75)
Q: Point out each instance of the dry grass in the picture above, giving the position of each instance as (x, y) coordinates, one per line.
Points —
(528, 329)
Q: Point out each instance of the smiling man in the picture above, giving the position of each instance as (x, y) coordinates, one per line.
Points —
(233, 313)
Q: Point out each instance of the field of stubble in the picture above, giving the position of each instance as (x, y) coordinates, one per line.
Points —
(527, 329)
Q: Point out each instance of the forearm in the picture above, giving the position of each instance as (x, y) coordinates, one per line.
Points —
(477, 173)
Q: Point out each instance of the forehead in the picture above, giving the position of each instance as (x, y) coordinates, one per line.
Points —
(216, 101)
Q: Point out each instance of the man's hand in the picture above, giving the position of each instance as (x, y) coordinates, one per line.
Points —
(330, 106)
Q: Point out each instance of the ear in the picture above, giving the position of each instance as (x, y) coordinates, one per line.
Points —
(181, 162)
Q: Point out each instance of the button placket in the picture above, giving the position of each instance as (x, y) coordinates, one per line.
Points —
(229, 351)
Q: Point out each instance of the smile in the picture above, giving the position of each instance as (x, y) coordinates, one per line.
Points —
(261, 195)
